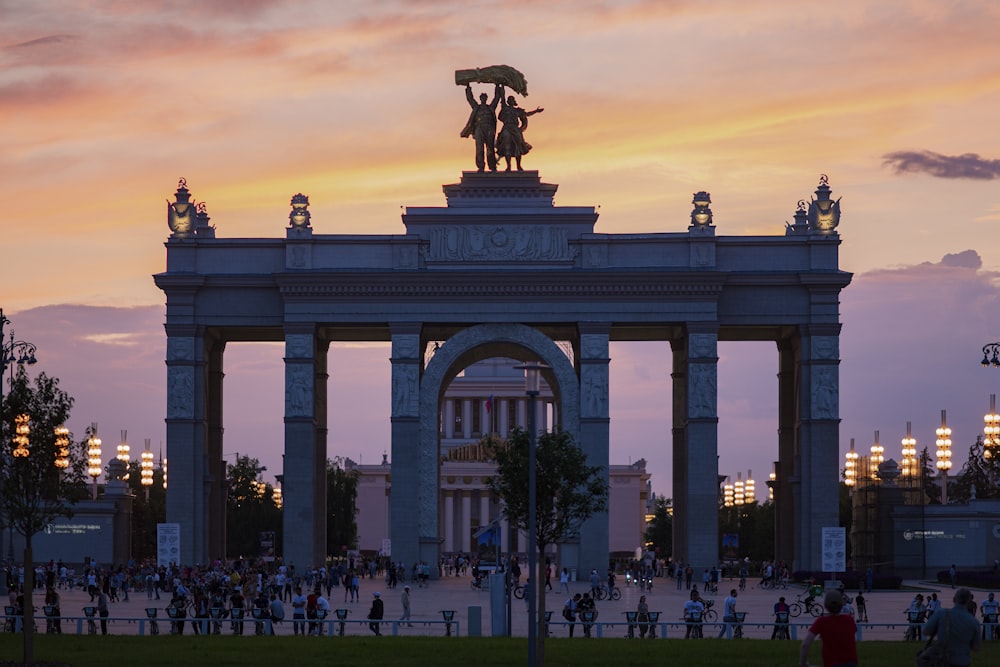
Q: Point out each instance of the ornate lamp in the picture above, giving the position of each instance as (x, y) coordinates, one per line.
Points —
(94, 456)
(21, 430)
(123, 452)
(738, 492)
(727, 495)
(991, 431)
(943, 443)
(876, 457)
(62, 447)
(909, 443)
(146, 469)
(749, 490)
(851, 467)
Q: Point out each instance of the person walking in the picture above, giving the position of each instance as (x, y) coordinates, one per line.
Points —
(838, 632)
(405, 600)
(376, 613)
(564, 581)
(102, 610)
(958, 629)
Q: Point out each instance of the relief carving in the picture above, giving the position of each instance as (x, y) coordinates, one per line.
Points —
(180, 392)
(298, 391)
(702, 346)
(702, 390)
(825, 347)
(499, 243)
(298, 346)
(404, 390)
(593, 346)
(825, 392)
(180, 349)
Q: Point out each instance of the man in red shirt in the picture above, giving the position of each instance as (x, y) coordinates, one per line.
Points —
(838, 632)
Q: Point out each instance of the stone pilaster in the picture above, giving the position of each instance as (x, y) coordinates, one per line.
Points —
(415, 480)
(595, 426)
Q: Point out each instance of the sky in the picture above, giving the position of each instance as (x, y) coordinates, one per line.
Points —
(105, 104)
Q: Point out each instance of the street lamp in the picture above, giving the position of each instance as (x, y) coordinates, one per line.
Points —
(738, 496)
(876, 457)
(944, 454)
(991, 355)
(851, 467)
(123, 453)
(991, 431)
(146, 469)
(749, 489)
(94, 456)
(909, 451)
(12, 352)
(532, 384)
(62, 447)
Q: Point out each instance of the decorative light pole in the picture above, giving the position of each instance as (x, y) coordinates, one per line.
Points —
(94, 456)
(123, 453)
(738, 492)
(944, 454)
(749, 489)
(146, 469)
(728, 497)
(991, 431)
(876, 458)
(62, 447)
(532, 384)
(909, 451)
(991, 355)
(851, 467)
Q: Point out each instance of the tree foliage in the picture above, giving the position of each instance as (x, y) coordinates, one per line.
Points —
(33, 491)
(980, 472)
(341, 508)
(250, 508)
(146, 512)
(660, 531)
(568, 491)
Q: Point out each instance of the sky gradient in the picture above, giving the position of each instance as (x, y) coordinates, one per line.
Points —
(104, 105)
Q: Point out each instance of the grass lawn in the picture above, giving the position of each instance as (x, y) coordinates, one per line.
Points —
(98, 651)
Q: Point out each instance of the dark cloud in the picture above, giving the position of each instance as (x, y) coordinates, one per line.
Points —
(967, 165)
(967, 259)
(45, 41)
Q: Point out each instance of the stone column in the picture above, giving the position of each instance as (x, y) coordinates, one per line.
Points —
(465, 521)
(186, 435)
(449, 418)
(304, 487)
(449, 521)
(415, 480)
(696, 467)
(818, 462)
(595, 425)
(786, 487)
(466, 418)
(215, 480)
(484, 508)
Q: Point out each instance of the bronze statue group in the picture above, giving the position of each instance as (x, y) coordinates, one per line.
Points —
(482, 127)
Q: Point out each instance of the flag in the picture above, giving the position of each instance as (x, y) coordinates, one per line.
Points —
(489, 404)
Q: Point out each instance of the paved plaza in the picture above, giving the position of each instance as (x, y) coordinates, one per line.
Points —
(455, 593)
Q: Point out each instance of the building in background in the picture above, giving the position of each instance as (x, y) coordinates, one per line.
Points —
(488, 397)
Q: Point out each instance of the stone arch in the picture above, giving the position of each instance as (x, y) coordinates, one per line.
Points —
(515, 341)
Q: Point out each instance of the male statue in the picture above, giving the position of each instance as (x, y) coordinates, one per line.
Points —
(482, 127)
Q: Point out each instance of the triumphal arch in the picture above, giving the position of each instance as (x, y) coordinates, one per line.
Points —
(500, 270)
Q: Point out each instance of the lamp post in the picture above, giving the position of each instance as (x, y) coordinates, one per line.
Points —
(12, 352)
(532, 382)
(876, 458)
(851, 467)
(146, 469)
(944, 454)
(94, 456)
(909, 451)
(991, 355)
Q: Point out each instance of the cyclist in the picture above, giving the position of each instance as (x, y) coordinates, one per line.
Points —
(814, 590)
(781, 611)
(693, 611)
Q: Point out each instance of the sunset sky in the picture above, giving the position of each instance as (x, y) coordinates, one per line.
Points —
(104, 105)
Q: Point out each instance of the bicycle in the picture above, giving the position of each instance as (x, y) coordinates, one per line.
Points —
(603, 593)
(799, 606)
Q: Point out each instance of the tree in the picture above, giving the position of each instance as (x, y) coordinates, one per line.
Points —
(146, 512)
(250, 508)
(567, 493)
(978, 471)
(931, 489)
(341, 508)
(660, 532)
(34, 490)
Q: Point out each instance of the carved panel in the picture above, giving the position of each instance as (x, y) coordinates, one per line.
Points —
(595, 392)
(825, 347)
(825, 392)
(180, 349)
(298, 346)
(404, 390)
(498, 243)
(298, 390)
(702, 390)
(180, 392)
(702, 346)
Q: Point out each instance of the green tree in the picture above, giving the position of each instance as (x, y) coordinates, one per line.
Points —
(250, 508)
(660, 530)
(33, 490)
(929, 476)
(341, 506)
(978, 471)
(567, 493)
(146, 512)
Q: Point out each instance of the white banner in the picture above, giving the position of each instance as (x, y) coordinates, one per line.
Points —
(834, 549)
(168, 544)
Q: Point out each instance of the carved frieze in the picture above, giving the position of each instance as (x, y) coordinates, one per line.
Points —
(471, 243)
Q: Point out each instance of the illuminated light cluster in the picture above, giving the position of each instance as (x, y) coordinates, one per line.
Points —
(876, 457)
(909, 443)
(164, 474)
(146, 467)
(943, 445)
(770, 487)
(123, 452)
(277, 497)
(749, 490)
(21, 430)
(94, 453)
(739, 497)
(851, 466)
(991, 430)
(62, 447)
(727, 495)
